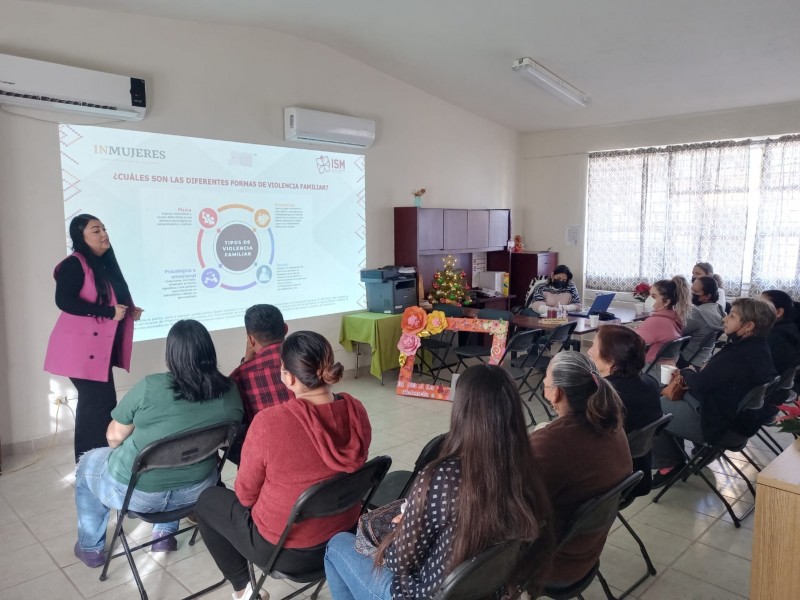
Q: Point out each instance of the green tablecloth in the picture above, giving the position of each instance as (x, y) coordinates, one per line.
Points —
(381, 332)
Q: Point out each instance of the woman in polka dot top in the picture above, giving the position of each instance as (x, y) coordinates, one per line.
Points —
(480, 491)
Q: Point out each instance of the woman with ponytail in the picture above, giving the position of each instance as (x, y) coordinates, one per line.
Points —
(482, 490)
(672, 302)
(582, 454)
(289, 447)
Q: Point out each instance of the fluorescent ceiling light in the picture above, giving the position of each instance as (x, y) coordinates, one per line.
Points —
(549, 81)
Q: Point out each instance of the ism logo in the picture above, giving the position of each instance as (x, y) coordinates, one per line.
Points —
(326, 164)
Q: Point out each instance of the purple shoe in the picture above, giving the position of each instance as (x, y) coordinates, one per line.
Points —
(91, 558)
(163, 543)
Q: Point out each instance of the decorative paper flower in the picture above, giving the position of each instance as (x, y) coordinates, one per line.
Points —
(408, 344)
(413, 320)
(641, 291)
(790, 422)
(437, 322)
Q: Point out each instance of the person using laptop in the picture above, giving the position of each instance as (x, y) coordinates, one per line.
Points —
(558, 290)
(602, 302)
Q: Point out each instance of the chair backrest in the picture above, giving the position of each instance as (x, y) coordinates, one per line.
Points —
(494, 314)
(754, 399)
(449, 310)
(561, 334)
(671, 350)
(428, 454)
(333, 496)
(641, 440)
(707, 343)
(482, 576)
(185, 448)
(521, 342)
(598, 513)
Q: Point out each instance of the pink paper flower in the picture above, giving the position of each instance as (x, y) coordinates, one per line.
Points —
(408, 344)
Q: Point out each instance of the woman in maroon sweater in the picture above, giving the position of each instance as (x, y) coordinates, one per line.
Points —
(288, 448)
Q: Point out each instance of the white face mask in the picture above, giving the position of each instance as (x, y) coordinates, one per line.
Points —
(649, 304)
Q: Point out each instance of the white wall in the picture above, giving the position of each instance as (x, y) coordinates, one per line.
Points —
(218, 82)
(554, 164)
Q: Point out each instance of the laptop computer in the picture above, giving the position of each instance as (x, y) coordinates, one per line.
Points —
(600, 304)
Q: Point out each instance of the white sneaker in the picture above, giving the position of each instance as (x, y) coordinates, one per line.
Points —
(248, 591)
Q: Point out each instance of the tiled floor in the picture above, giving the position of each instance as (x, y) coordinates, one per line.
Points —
(696, 549)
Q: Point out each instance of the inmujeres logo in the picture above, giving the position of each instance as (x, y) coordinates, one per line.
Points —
(130, 152)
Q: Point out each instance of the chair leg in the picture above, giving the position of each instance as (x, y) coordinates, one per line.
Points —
(770, 442)
(205, 591)
(316, 592)
(132, 564)
(651, 570)
(195, 533)
(110, 555)
(606, 588)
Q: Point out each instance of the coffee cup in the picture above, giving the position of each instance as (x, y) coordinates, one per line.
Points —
(639, 309)
(594, 320)
(666, 373)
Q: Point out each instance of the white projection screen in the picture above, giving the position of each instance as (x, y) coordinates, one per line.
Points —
(203, 229)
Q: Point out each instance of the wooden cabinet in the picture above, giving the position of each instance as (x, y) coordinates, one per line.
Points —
(525, 266)
(774, 574)
(422, 236)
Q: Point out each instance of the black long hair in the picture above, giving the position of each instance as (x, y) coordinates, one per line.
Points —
(192, 362)
(101, 266)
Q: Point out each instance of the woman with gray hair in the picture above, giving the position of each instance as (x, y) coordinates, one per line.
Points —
(708, 411)
(581, 454)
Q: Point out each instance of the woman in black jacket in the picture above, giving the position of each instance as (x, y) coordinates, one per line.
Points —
(709, 409)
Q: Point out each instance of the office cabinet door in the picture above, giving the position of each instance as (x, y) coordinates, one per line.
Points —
(430, 229)
(478, 229)
(499, 222)
(455, 229)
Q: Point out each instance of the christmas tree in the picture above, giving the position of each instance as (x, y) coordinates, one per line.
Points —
(449, 286)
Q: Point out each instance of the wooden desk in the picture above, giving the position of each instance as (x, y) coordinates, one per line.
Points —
(380, 331)
(774, 574)
(625, 315)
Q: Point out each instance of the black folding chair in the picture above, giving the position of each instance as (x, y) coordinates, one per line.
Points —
(593, 516)
(438, 346)
(641, 444)
(325, 499)
(484, 576)
(477, 350)
(669, 351)
(557, 340)
(707, 344)
(707, 453)
(780, 393)
(180, 450)
(398, 483)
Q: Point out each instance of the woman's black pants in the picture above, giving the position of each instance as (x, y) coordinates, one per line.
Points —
(96, 400)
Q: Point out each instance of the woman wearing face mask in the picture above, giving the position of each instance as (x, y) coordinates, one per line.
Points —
(704, 318)
(704, 269)
(708, 410)
(671, 306)
(558, 290)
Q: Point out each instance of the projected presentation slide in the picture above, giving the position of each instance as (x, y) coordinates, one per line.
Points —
(203, 229)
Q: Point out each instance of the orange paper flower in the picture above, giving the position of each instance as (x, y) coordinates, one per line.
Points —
(414, 320)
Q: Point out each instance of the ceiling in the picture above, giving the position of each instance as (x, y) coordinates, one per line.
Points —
(636, 59)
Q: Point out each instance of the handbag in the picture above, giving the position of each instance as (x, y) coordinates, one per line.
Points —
(375, 525)
(675, 389)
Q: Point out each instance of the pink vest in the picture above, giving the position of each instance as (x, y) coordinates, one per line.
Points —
(82, 347)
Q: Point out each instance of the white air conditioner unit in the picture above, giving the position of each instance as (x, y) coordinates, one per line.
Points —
(316, 127)
(37, 84)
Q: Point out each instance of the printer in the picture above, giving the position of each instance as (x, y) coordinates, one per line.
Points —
(390, 290)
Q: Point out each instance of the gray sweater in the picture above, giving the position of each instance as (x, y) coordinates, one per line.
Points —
(702, 320)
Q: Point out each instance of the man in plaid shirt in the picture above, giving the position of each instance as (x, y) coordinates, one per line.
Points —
(258, 377)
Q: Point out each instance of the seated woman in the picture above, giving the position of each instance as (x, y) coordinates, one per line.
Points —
(191, 395)
(670, 308)
(708, 411)
(704, 318)
(784, 343)
(704, 269)
(289, 447)
(581, 454)
(494, 495)
(619, 355)
(558, 290)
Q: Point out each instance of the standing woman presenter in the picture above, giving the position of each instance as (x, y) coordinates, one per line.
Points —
(95, 329)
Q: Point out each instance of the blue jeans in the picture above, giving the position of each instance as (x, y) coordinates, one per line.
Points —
(96, 492)
(353, 576)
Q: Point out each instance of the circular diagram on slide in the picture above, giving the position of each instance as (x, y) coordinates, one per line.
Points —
(235, 247)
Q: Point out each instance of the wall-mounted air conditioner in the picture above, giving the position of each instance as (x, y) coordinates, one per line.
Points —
(37, 84)
(316, 127)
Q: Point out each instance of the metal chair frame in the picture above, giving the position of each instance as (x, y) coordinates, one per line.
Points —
(670, 350)
(477, 351)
